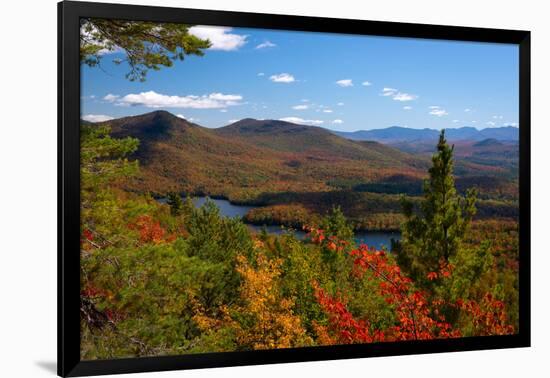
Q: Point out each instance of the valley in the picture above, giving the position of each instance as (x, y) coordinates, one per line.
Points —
(294, 174)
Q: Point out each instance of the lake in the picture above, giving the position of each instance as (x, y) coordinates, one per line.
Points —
(377, 239)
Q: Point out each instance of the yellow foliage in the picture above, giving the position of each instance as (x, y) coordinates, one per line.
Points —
(270, 322)
(323, 335)
(274, 324)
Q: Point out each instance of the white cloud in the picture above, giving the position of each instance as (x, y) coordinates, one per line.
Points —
(327, 111)
(219, 37)
(300, 107)
(111, 97)
(388, 91)
(232, 120)
(455, 121)
(282, 78)
(190, 119)
(404, 97)
(261, 74)
(114, 50)
(407, 107)
(89, 37)
(152, 99)
(338, 121)
(222, 97)
(223, 110)
(438, 111)
(397, 95)
(498, 117)
(340, 104)
(265, 44)
(345, 83)
(467, 110)
(366, 83)
(491, 123)
(301, 121)
(513, 124)
(96, 117)
(304, 100)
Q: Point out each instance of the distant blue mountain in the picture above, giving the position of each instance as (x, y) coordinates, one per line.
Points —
(398, 134)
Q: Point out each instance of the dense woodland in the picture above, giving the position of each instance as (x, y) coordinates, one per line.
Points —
(172, 278)
(295, 174)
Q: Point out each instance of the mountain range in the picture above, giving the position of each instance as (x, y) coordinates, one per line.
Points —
(398, 134)
(251, 160)
(250, 157)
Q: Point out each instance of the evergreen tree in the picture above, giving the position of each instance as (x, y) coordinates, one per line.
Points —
(146, 45)
(175, 203)
(336, 224)
(432, 234)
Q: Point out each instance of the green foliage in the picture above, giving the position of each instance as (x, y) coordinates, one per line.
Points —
(336, 224)
(432, 235)
(169, 279)
(288, 187)
(102, 158)
(469, 266)
(175, 203)
(103, 162)
(214, 237)
(147, 45)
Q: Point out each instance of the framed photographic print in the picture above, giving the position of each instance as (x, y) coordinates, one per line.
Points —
(239, 188)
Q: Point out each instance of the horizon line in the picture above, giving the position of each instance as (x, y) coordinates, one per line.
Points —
(300, 124)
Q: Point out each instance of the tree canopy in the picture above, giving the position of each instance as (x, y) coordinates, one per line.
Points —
(147, 45)
(433, 233)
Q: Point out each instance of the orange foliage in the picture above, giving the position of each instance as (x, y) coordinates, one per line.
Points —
(150, 230)
(417, 315)
(489, 317)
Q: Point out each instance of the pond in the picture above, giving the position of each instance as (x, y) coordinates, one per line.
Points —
(377, 239)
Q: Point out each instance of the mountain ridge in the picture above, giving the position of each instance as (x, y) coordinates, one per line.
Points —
(252, 156)
(399, 134)
(275, 163)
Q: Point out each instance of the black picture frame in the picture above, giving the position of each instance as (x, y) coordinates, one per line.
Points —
(69, 13)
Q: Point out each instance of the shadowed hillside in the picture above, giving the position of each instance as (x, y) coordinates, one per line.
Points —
(283, 167)
(290, 137)
(245, 159)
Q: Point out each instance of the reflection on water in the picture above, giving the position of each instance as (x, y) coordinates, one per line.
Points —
(377, 239)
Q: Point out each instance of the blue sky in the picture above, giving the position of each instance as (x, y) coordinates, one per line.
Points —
(341, 82)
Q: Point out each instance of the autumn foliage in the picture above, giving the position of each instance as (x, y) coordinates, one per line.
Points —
(488, 316)
(417, 315)
(150, 230)
(273, 323)
(172, 279)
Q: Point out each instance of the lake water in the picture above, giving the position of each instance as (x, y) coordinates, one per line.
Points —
(375, 239)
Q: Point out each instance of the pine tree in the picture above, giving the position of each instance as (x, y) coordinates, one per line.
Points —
(432, 234)
(176, 204)
(146, 45)
(336, 224)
